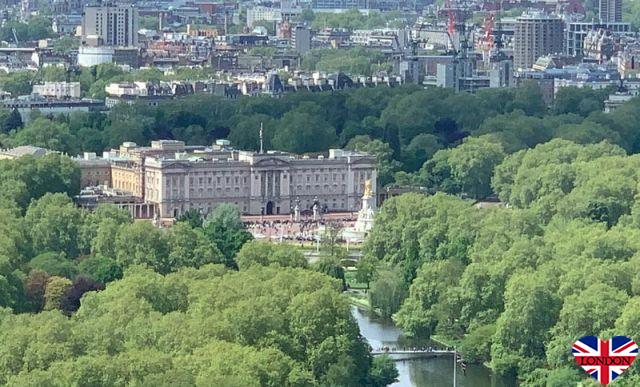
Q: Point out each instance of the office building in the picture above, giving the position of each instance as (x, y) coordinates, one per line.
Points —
(610, 11)
(60, 90)
(577, 31)
(110, 25)
(340, 4)
(301, 39)
(536, 34)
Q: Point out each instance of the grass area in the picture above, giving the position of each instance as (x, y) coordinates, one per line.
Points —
(446, 341)
(359, 299)
(350, 277)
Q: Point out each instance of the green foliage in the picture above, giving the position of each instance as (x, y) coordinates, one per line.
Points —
(148, 22)
(100, 269)
(301, 132)
(366, 270)
(55, 292)
(387, 292)
(351, 19)
(192, 217)
(46, 134)
(383, 371)
(10, 120)
(264, 253)
(516, 284)
(17, 83)
(54, 264)
(262, 326)
(332, 267)
(34, 29)
(28, 178)
(467, 167)
(224, 228)
(65, 44)
(54, 224)
(354, 61)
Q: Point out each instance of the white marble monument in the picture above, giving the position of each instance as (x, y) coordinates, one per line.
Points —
(364, 222)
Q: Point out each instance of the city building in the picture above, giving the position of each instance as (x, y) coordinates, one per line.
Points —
(93, 56)
(91, 197)
(176, 178)
(628, 61)
(301, 39)
(576, 32)
(617, 99)
(536, 34)
(610, 11)
(23, 150)
(110, 25)
(339, 4)
(381, 38)
(260, 13)
(96, 171)
(60, 90)
(50, 106)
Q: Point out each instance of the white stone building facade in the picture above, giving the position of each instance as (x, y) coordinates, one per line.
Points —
(177, 178)
(269, 184)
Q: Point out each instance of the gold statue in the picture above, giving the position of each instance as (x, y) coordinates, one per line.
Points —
(368, 192)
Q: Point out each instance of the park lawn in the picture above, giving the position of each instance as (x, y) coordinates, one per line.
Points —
(350, 278)
(359, 299)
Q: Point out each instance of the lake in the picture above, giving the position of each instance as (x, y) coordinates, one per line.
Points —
(422, 372)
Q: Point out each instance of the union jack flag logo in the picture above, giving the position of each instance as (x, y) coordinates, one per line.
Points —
(605, 360)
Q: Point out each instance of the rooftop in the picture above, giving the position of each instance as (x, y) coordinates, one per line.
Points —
(24, 150)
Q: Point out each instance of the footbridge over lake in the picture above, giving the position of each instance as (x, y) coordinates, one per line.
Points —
(406, 354)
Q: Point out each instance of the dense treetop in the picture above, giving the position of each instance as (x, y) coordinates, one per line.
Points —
(516, 285)
(263, 326)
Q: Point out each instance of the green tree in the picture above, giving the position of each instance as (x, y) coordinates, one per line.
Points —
(54, 225)
(366, 270)
(263, 253)
(142, 243)
(383, 153)
(531, 309)
(55, 292)
(387, 292)
(225, 229)
(383, 371)
(300, 132)
(101, 269)
(54, 264)
(471, 165)
(47, 134)
(189, 247)
(193, 217)
(332, 267)
(12, 121)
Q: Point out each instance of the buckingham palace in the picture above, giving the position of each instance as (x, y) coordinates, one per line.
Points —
(176, 177)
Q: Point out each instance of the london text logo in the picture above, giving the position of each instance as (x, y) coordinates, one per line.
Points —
(605, 360)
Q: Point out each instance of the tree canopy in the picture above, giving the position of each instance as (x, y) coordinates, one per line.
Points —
(516, 285)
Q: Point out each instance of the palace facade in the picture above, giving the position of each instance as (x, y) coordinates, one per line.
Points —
(176, 177)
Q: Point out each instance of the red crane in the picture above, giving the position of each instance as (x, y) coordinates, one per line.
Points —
(451, 28)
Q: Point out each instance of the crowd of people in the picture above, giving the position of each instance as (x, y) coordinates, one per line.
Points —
(305, 230)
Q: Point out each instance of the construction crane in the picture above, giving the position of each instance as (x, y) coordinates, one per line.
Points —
(416, 41)
(459, 28)
(491, 42)
(487, 41)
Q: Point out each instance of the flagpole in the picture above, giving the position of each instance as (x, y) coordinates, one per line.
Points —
(261, 140)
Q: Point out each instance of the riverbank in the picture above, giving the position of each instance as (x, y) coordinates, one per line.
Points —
(420, 371)
(358, 299)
